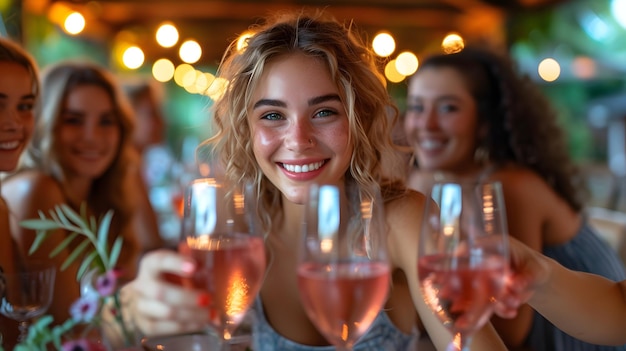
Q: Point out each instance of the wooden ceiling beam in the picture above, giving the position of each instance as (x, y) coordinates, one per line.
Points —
(121, 13)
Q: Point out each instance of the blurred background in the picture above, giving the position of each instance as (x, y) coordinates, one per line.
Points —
(575, 50)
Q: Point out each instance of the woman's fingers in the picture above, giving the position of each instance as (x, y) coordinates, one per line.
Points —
(160, 305)
(155, 263)
(163, 327)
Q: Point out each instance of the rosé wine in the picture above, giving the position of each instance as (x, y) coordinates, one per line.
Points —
(231, 270)
(463, 293)
(343, 299)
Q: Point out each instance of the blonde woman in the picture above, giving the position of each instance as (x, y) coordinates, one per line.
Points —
(305, 103)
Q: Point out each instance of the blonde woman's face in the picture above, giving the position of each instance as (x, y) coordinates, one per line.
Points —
(441, 121)
(299, 126)
(88, 132)
(16, 112)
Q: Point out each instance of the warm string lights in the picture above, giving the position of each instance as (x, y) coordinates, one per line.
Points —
(406, 62)
(131, 56)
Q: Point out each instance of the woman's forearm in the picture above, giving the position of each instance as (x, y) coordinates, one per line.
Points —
(586, 306)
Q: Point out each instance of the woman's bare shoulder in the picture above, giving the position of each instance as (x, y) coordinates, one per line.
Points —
(522, 183)
(404, 218)
(32, 189)
(408, 201)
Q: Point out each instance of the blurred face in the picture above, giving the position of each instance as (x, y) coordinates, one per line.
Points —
(16, 112)
(88, 134)
(441, 121)
(149, 122)
(299, 126)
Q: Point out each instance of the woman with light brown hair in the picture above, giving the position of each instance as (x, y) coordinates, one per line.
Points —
(81, 154)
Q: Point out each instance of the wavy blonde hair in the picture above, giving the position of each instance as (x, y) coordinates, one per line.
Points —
(362, 89)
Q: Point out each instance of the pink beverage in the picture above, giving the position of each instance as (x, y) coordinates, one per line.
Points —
(463, 296)
(343, 299)
(230, 269)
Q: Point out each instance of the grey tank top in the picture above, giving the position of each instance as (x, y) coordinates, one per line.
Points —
(382, 335)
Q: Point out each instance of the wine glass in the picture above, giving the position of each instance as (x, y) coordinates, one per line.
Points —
(221, 233)
(463, 255)
(343, 268)
(27, 294)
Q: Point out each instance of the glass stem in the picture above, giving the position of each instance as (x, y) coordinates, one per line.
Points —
(23, 331)
(460, 342)
(464, 341)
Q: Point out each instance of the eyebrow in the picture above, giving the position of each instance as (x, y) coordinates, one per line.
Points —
(71, 113)
(29, 96)
(311, 102)
(438, 98)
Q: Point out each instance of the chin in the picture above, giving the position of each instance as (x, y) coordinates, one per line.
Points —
(297, 197)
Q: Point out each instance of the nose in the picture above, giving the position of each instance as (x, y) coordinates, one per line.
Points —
(90, 131)
(426, 119)
(10, 120)
(300, 135)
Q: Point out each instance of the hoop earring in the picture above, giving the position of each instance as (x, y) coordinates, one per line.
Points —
(481, 155)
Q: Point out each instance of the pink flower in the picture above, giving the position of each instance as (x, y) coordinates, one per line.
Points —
(85, 308)
(106, 284)
(82, 345)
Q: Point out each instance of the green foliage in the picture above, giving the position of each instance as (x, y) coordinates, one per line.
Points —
(93, 248)
(94, 236)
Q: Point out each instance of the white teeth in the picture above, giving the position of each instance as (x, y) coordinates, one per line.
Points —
(9, 145)
(430, 144)
(303, 168)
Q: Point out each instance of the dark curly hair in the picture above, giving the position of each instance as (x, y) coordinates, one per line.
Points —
(522, 127)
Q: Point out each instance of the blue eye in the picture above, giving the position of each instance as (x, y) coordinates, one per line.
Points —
(272, 116)
(325, 113)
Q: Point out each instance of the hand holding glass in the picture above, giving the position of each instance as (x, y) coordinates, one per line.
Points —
(221, 233)
(463, 255)
(343, 270)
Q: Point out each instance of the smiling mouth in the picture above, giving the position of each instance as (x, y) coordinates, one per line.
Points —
(9, 145)
(430, 144)
(303, 168)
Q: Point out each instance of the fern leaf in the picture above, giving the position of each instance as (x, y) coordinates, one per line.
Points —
(60, 216)
(41, 235)
(85, 265)
(103, 231)
(74, 254)
(63, 244)
(39, 224)
(115, 251)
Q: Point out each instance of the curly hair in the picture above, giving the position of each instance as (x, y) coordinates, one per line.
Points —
(522, 127)
(110, 190)
(362, 89)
